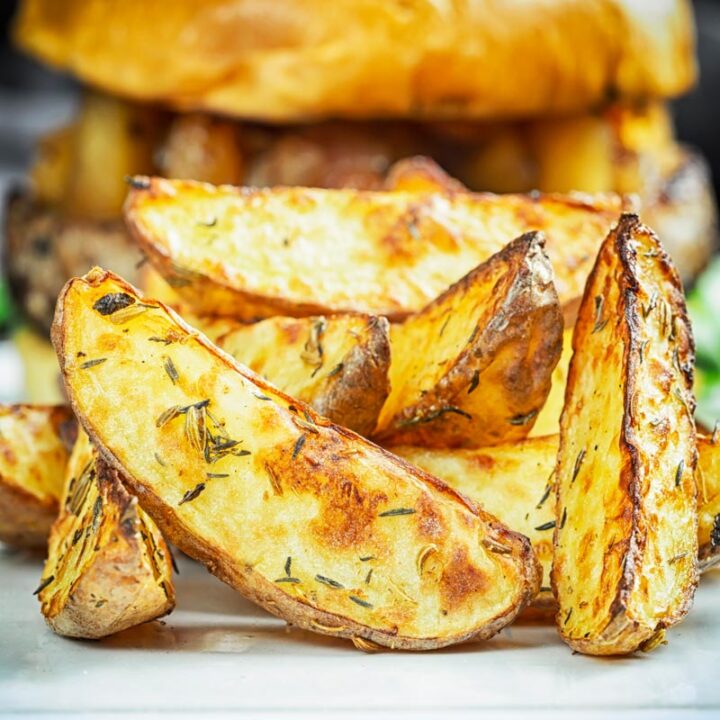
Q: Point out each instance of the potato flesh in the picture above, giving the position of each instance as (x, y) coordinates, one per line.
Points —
(312, 251)
(515, 482)
(625, 560)
(33, 455)
(474, 367)
(337, 364)
(291, 509)
(548, 419)
(108, 567)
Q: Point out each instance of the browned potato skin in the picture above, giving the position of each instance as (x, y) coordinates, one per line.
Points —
(44, 248)
(474, 367)
(350, 476)
(337, 364)
(33, 456)
(123, 576)
(515, 482)
(419, 244)
(626, 495)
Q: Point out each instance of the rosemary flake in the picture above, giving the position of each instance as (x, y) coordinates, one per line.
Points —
(474, 382)
(330, 582)
(360, 601)
(112, 302)
(679, 472)
(190, 495)
(43, 584)
(92, 363)
(336, 370)
(523, 419)
(397, 511)
(546, 526)
(159, 460)
(578, 464)
(260, 396)
(170, 369)
(298, 446)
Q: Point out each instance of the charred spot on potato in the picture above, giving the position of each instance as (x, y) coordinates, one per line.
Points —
(112, 302)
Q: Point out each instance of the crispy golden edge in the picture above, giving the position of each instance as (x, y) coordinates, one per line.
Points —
(622, 634)
(126, 580)
(266, 594)
(352, 397)
(215, 296)
(522, 311)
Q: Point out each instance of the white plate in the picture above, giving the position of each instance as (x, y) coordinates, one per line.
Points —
(217, 652)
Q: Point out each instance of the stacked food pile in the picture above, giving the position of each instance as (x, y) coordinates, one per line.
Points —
(380, 405)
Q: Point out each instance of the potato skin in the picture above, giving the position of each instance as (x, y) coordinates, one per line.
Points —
(626, 496)
(340, 494)
(33, 456)
(474, 367)
(338, 364)
(266, 251)
(122, 576)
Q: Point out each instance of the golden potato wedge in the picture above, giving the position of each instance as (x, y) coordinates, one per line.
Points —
(338, 364)
(298, 251)
(548, 419)
(34, 452)
(708, 482)
(108, 568)
(626, 546)
(515, 482)
(309, 520)
(474, 367)
(420, 174)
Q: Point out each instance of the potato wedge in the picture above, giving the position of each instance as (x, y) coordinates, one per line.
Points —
(337, 364)
(474, 367)
(708, 482)
(420, 174)
(548, 419)
(34, 452)
(108, 567)
(309, 520)
(298, 251)
(515, 482)
(625, 559)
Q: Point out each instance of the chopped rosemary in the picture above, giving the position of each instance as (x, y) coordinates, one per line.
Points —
(360, 601)
(397, 511)
(567, 617)
(288, 565)
(288, 580)
(523, 419)
(367, 558)
(474, 382)
(308, 424)
(336, 370)
(578, 464)
(545, 496)
(260, 396)
(546, 526)
(164, 341)
(97, 509)
(679, 472)
(298, 446)
(212, 476)
(159, 460)
(112, 302)
(599, 322)
(43, 584)
(329, 582)
(563, 519)
(190, 495)
(92, 363)
(368, 576)
(444, 325)
(170, 369)
(434, 415)
(313, 352)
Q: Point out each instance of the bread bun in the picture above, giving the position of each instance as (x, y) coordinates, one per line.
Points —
(292, 60)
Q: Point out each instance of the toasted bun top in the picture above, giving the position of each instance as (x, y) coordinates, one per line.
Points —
(302, 59)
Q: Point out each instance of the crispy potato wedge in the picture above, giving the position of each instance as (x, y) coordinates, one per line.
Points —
(309, 520)
(625, 559)
(708, 481)
(108, 567)
(337, 364)
(34, 452)
(474, 367)
(420, 174)
(515, 482)
(299, 251)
